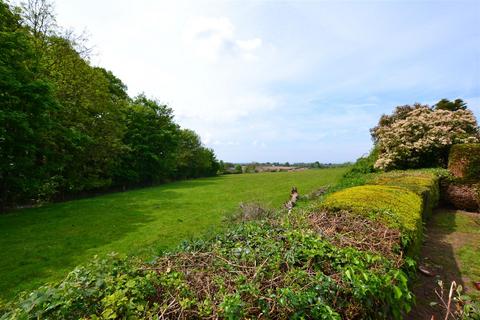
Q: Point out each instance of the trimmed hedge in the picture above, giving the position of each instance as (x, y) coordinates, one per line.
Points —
(423, 183)
(463, 190)
(394, 206)
(464, 162)
(399, 199)
(462, 196)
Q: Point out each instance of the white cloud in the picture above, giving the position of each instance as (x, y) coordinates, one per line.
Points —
(213, 38)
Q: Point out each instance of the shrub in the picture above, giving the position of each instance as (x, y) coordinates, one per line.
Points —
(275, 271)
(250, 168)
(415, 137)
(363, 165)
(110, 288)
(464, 162)
(309, 264)
(396, 207)
(238, 169)
(254, 269)
(249, 211)
(345, 229)
(423, 183)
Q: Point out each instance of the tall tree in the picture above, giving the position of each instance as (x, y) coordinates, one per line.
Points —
(194, 160)
(151, 140)
(26, 101)
(68, 127)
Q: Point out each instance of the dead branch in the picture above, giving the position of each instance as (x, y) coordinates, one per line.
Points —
(293, 199)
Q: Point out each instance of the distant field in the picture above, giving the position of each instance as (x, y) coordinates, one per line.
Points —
(42, 244)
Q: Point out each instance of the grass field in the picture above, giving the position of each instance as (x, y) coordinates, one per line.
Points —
(43, 244)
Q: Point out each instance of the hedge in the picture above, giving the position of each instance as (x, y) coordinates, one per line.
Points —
(396, 207)
(463, 196)
(400, 200)
(463, 190)
(423, 183)
(464, 162)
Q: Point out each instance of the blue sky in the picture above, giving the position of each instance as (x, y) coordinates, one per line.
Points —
(285, 80)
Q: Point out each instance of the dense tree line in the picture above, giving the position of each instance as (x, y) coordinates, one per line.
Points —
(67, 127)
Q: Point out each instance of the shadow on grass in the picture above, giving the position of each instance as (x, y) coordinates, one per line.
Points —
(39, 244)
(36, 247)
(437, 256)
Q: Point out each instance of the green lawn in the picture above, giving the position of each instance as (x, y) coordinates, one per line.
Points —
(43, 244)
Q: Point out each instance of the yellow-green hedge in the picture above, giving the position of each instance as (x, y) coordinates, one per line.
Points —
(421, 182)
(400, 200)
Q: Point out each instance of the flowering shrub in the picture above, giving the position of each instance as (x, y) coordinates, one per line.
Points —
(419, 136)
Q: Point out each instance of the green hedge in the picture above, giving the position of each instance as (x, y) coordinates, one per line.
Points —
(424, 183)
(464, 162)
(396, 207)
(400, 199)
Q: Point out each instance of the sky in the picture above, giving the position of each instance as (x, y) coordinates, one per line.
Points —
(296, 81)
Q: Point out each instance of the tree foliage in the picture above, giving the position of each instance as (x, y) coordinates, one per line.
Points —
(446, 104)
(68, 127)
(421, 136)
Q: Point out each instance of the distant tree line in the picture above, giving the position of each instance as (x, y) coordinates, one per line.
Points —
(252, 167)
(67, 127)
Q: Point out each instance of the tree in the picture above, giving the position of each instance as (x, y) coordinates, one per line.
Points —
(194, 160)
(25, 103)
(420, 136)
(68, 127)
(39, 17)
(151, 141)
(250, 168)
(400, 113)
(446, 104)
(117, 89)
(90, 116)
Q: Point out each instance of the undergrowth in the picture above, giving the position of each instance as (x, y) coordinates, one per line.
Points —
(262, 269)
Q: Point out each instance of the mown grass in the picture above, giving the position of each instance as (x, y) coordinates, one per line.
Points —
(461, 230)
(43, 244)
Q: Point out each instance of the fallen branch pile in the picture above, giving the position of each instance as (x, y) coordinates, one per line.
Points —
(344, 229)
